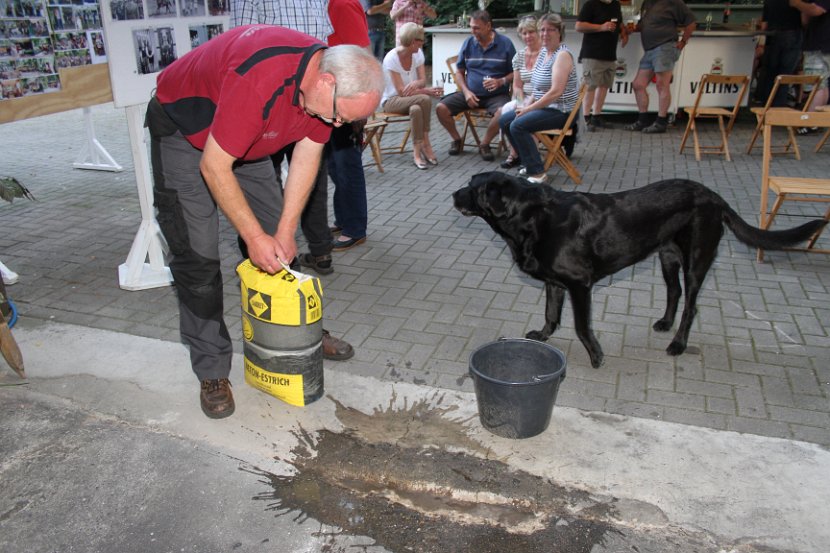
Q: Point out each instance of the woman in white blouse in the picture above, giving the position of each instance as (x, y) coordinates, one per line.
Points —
(406, 91)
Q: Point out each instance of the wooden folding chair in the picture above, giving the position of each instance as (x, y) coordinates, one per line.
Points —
(796, 189)
(473, 118)
(726, 117)
(826, 133)
(552, 141)
(391, 119)
(783, 80)
(372, 132)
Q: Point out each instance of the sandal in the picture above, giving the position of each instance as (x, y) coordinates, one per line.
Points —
(486, 152)
(510, 162)
(455, 147)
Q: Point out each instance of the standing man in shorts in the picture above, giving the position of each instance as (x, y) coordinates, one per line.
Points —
(659, 21)
(483, 75)
(600, 21)
(816, 47)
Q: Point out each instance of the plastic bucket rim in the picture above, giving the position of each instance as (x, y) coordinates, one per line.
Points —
(548, 377)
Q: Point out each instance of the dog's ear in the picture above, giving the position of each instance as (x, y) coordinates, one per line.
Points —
(495, 195)
(479, 179)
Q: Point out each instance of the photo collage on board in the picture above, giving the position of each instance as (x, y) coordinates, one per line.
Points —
(39, 37)
(155, 46)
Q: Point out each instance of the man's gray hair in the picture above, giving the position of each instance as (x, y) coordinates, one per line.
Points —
(356, 70)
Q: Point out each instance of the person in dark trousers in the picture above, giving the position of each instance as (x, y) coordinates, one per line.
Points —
(816, 18)
(377, 14)
(782, 49)
(218, 114)
(345, 159)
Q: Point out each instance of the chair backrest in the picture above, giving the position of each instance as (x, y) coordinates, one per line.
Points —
(571, 116)
(707, 79)
(794, 80)
(451, 61)
(788, 118)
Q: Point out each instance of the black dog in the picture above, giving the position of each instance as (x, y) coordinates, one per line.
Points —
(570, 240)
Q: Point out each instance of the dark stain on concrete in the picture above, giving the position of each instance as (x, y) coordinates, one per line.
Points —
(426, 500)
(411, 479)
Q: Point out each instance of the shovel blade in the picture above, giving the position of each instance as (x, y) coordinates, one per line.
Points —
(9, 349)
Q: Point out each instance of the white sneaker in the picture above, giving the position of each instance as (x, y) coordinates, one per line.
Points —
(541, 179)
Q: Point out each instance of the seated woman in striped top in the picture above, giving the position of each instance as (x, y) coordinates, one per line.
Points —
(555, 92)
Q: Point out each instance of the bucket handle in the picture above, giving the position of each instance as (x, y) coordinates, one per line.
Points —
(538, 377)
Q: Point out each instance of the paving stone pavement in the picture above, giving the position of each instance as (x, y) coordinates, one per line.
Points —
(429, 286)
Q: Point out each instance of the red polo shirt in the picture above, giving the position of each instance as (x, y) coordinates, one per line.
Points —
(243, 88)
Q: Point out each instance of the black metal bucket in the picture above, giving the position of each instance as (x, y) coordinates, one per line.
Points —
(516, 382)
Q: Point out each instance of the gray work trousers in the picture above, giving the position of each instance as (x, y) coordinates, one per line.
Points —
(189, 220)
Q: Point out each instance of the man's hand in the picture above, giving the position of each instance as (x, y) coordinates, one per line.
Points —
(472, 99)
(266, 252)
(217, 169)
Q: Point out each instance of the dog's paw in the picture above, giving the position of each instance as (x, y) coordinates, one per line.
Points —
(662, 325)
(596, 362)
(676, 348)
(537, 335)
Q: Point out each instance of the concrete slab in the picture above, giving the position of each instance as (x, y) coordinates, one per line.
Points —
(128, 439)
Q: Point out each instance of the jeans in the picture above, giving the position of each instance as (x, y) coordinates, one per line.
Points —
(345, 167)
(781, 56)
(519, 131)
(377, 42)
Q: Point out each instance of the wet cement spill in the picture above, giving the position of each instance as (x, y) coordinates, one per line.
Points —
(402, 477)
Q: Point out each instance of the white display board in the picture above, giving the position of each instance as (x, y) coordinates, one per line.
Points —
(145, 36)
(142, 38)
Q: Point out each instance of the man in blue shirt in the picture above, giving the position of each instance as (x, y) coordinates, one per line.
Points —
(483, 74)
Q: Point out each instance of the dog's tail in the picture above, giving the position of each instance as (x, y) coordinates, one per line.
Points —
(770, 239)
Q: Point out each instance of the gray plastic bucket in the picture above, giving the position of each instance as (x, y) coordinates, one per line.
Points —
(516, 383)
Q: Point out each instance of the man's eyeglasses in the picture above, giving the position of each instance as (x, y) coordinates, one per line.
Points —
(335, 119)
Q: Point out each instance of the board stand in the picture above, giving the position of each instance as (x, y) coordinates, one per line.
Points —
(149, 243)
(8, 276)
(94, 155)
